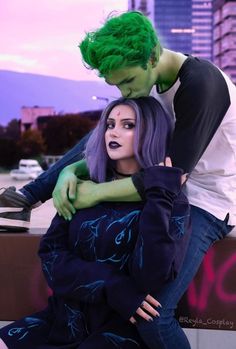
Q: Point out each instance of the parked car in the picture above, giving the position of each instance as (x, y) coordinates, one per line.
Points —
(28, 169)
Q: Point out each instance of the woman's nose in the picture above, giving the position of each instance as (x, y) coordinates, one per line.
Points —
(115, 132)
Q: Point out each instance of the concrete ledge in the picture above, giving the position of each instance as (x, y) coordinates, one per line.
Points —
(209, 303)
(23, 287)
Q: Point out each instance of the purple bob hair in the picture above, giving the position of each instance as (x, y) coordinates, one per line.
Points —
(152, 137)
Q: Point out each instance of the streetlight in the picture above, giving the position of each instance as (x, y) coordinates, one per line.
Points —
(100, 98)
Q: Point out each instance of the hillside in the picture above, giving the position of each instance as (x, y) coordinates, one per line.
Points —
(24, 89)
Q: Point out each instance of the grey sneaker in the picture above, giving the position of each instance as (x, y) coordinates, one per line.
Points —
(15, 210)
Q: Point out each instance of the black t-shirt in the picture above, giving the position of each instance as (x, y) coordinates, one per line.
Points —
(199, 105)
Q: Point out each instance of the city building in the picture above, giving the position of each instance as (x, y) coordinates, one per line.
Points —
(202, 25)
(144, 6)
(225, 36)
(183, 25)
(30, 115)
(172, 20)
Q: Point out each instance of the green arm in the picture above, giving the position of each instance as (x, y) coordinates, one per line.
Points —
(114, 191)
(71, 193)
(90, 194)
(118, 190)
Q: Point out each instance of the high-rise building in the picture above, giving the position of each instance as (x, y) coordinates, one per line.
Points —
(172, 20)
(202, 25)
(225, 36)
(183, 25)
(144, 6)
(174, 25)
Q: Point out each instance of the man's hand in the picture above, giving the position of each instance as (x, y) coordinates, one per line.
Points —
(147, 310)
(87, 194)
(64, 193)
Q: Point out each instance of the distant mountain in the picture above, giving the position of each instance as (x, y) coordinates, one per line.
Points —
(24, 89)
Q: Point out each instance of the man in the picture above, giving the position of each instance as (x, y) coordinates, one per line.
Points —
(202, 100)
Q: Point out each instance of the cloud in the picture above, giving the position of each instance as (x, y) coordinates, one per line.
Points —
(17, 59)
(67, 43)
(42, 37)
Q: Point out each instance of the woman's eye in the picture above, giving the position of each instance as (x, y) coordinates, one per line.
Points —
(129, 125)
(110, 126)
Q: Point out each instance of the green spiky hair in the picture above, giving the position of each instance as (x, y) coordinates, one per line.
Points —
(123, 41)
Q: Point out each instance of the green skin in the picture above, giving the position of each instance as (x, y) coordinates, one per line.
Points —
(70, 192)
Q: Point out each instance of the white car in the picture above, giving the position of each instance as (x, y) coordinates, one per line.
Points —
(28, 169)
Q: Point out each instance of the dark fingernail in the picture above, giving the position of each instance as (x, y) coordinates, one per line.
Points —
(150, 319)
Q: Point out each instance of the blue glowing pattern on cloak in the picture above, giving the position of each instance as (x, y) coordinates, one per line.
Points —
(48, 265)
(24, 331)
(178, 224)
(92, 227)
(88, 292)
(75, 319)
(123, 225)
(114, 259)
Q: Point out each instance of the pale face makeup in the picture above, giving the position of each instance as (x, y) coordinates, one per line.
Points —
(119, 138)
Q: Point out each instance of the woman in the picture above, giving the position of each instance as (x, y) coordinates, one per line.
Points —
(101, 265)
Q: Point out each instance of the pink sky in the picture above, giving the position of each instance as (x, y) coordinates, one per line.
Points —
(42, 36)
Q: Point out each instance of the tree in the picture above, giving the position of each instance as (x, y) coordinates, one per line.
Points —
(63, 132)
(2, 131)
(13, 130)
(31, 143)
(9, 152)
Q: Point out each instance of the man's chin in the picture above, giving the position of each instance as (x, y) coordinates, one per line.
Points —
(140, 95)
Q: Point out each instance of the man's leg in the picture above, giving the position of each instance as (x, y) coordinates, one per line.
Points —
(15, 207)
(165, 332)
(42, 187)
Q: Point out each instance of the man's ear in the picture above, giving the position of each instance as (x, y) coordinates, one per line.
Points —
(154, 58)
(153, 63)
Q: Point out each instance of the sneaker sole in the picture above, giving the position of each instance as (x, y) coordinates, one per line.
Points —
(10, 223)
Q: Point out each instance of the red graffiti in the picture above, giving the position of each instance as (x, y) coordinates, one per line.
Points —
(221, 275)
(213, 280)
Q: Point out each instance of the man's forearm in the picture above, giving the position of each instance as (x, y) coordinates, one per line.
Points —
(118, 190)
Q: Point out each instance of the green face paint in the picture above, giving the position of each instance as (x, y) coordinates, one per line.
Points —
(133, 82)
